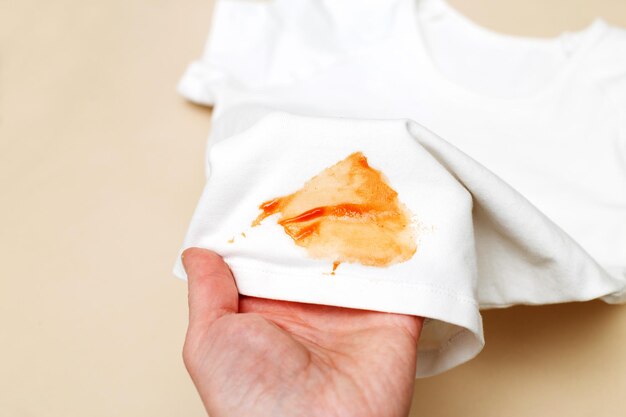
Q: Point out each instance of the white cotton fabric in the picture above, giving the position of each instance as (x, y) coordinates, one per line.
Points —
(478, 238)
(548, 116)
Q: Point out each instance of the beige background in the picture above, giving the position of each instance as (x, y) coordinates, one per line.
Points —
(100, 169)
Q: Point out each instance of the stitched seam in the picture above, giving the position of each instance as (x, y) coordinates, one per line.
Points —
(448, 343)
(429, 287)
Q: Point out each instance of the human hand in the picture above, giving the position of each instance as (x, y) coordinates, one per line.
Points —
(258, 357)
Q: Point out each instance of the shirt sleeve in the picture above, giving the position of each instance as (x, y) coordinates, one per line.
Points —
(609, 73)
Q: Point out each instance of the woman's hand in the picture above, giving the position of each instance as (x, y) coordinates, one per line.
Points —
(257, 357)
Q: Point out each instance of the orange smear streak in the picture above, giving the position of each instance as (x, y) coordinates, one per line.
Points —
(340, 210)
(306, 216)
(269, 208)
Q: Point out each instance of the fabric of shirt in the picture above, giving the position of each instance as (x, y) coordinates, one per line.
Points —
(548, 116)
(470, 224)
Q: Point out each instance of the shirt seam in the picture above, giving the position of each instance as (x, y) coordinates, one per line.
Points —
(428, 287)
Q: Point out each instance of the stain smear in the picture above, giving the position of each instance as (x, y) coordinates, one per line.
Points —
(347, 213)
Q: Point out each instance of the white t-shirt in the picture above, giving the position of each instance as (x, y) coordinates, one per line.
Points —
(422, 234)
(546, 115)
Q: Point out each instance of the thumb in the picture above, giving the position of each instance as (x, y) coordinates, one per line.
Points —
(212, 289)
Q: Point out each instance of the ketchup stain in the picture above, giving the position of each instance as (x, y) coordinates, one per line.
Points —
(335, 265)
(347, 213)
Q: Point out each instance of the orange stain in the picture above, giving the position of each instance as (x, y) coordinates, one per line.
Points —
(347, 213)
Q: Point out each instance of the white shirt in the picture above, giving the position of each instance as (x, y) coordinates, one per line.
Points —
(425, 236)
(546, 115)
(556, 132)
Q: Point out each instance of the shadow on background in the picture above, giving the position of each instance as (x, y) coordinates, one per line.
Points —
(533, 362)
